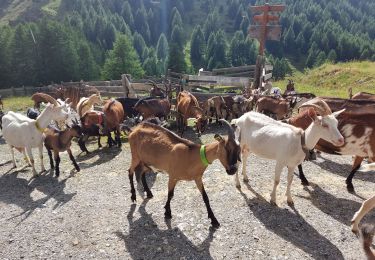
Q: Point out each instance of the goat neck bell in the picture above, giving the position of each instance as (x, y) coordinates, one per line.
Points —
(202, 152)
(40, 129)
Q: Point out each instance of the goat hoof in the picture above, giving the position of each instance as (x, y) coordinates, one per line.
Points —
(150, 195)
(305, 182)
(290, 203)
(246, 180)
(273, 203)
(168, 215)
(238, 186)
(350, 188)
(215, 224)
(133, 198)
(78, 169)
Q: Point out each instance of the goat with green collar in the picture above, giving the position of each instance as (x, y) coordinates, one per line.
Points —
(153, 146)
(23, 133)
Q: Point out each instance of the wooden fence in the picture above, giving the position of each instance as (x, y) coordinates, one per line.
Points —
(235, 78)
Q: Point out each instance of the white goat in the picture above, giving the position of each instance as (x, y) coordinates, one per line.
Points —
(23, 133)
(366, 206)
(271, 139)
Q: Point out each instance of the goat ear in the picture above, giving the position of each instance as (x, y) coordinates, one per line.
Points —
(337, 113)
(311, 113)
(219, 138)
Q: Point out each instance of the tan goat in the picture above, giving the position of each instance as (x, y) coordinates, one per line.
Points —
(153, 146)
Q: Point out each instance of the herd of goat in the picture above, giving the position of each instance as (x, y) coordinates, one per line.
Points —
(274, 130)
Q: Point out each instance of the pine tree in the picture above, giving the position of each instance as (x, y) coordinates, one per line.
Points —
(88, 69)
(162, 48)
(236, 49)
(211, 24)
(176, 58)
(122, 59)
(139, 45)
(244, 26)
(320, 59)
(332, 56)
(141, 24)
(126, 13)
(151, 64)
(177, 36)
(23, 56)
(197, 48)
(6, 35)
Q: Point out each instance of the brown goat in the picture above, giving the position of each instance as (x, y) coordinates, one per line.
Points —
(60, 141)
(109, 120)
(153, 108)
(217, 105)
(353, 105)
(153, 146)
(363, 95)
(156, 91)
(188, 107)
(359, 134)
(281, 108)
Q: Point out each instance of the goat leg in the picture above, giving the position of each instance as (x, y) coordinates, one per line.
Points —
(302, 177)
(99, 144)
(171, 186)
(81, 143)
(29, 153)
(356, 164)
(13, 160)
(73, 160)
(214, 222)
(118, 139)
(57, 160)
(50, 158)
(131, 180)
(110, 140)
(40, 148)
(145, 186)
(366, 206)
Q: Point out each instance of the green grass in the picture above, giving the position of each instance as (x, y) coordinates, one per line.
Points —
(17, 104)
(334, 79)
(51, 8)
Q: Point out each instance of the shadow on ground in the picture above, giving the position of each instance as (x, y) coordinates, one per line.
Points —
(16, 190)
(343, 169)
(146, 241)
(104, 155)
(338, 208)
(291, 227)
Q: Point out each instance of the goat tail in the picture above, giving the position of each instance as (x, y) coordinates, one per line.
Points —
(367, 234)
(367, 167)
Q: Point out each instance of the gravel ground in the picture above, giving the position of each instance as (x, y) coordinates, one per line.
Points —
(90, 215)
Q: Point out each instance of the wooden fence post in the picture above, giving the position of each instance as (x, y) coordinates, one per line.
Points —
(258, 72)
(126, 84)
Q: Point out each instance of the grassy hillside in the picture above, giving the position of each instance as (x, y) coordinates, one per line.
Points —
(335, 79)
(26, 10)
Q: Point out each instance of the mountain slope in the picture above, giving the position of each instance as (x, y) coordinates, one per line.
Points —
(335, 79)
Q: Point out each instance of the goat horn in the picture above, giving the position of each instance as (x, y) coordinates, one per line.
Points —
(320, 105)
(48, 98)
(229, 128)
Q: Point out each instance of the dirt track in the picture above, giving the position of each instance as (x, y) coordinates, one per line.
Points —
(90, 215)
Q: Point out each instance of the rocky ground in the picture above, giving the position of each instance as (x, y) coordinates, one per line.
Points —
(90, 215)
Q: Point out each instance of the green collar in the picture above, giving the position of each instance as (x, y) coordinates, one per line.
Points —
(203, 156)
(40, 129)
